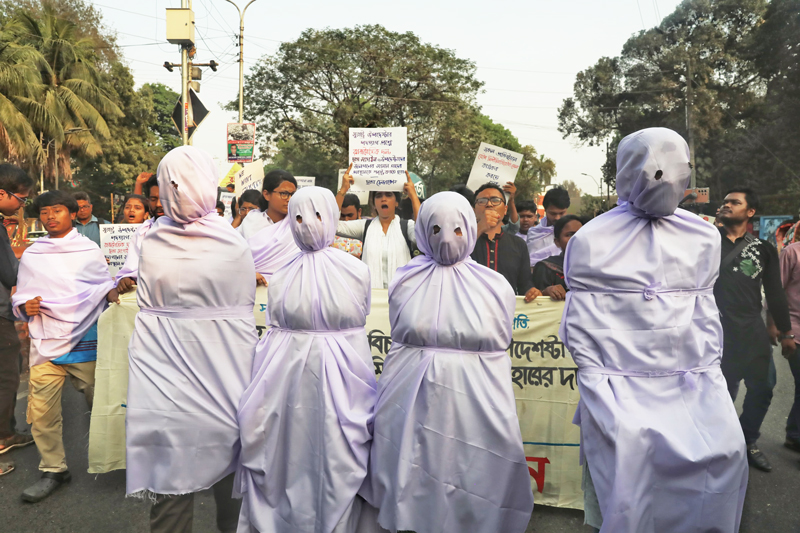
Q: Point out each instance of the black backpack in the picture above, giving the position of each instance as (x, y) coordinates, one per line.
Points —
(412, 248)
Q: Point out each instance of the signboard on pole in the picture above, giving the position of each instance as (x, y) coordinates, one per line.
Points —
(493, 165)
(190, 116)
(241, 140)
(305, 181)
(250, 177)
(114, 242)
(363, 194)
(379, 157)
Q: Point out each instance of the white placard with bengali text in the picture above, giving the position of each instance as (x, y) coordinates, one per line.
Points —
(493, 165)
(114, 242)
(363, 194)
(379, 157)
(227, 198)
(250, 177)
(305, 181)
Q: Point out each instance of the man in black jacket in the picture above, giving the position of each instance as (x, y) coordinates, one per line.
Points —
(498, 250)
(747, 264)
(15, 186)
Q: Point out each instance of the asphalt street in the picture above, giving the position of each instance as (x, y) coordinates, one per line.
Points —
(97, 503)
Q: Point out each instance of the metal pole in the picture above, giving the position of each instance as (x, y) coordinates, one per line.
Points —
(241, 55)
(41, 169)
(185, 4)
(689, 95)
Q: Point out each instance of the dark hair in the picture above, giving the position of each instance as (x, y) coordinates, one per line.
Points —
(464, 191)
(230, 185)
(220, 205)
(559, 224)
(750, 196)
(252, 196)
(144, 200)
(558, 197)
(526, 205)
(80, 195)
(396, 197)
(487, 186)
(271, 182)
(14, 180)
(152, 182)
(351, 199)
(52, 198)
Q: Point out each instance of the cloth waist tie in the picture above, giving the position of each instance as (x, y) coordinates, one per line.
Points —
(450, 350)
(651, 291)
(317, 331)
(689, 376)
(200, 313)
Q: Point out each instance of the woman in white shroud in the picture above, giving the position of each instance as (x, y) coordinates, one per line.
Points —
(447, 452)
(305, 418)
(659, 432)
(192, 349)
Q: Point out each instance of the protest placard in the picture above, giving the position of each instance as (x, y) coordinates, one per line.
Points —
(241, 140)
(305, 181)
(228, 173)
(114, 242)
(493, 165)
(379, 157)
(363, 194)
(227, 198)
(250, 177)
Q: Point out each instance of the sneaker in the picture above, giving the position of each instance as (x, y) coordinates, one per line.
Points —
(792, 444)
(757, 458)
(48, 484)
(17, 440)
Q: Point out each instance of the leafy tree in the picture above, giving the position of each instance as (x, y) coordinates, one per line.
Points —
(164, 100)
(306, 97)
(706, 43)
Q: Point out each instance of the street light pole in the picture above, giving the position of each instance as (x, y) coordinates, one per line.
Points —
(599, 187)
(241, 54)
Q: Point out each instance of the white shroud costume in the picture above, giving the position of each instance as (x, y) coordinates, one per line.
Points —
(447, 452)
(192, 348)
(305, 418)
(659, 431)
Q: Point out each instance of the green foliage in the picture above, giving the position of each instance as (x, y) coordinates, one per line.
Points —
(306, 97)
(164, 100)
(738, 52)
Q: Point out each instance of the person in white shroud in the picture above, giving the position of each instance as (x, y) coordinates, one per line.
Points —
(447, 452)
(272, 247)
(663, 449)
(192, 349)
(305, 418)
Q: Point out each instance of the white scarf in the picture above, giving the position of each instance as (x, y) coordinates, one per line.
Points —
(397, 254)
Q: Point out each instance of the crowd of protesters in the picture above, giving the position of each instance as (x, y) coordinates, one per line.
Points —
(293, 431)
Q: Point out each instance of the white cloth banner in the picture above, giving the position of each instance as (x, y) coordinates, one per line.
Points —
(379, 157)
(114, 242)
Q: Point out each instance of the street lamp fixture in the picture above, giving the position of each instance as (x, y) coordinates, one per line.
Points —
(241, 55)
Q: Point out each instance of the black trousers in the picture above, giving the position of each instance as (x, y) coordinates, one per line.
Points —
(9, 376)
(174, 514)
(756, 400)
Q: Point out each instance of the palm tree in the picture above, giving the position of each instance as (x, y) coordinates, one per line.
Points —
(67, 108)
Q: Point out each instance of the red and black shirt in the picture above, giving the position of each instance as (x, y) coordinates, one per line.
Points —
(507, 255)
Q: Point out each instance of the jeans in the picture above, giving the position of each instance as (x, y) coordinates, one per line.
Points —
(756, 401)
(9, 376)
(793, 422)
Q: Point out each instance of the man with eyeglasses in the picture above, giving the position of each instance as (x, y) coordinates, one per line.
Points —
(86, 223)
(498, 250)
(15, 186)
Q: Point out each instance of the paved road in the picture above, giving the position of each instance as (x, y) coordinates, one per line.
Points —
(96, 503)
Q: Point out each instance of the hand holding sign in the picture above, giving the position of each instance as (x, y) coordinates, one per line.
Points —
(347, 180)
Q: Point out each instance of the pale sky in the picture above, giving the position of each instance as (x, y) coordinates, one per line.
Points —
(527, 52)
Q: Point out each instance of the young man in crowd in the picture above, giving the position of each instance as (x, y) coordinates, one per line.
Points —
(15, 186)
(151, 192)
(747, 265)
(540, 238)
(528, 218)
(497, 249)
(62, 289)
(85, 222)
(351, 208)
(790, 276)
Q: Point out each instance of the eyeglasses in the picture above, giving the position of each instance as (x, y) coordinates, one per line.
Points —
(285, 195)
(494, 200)
(244, 209)
(22, 201)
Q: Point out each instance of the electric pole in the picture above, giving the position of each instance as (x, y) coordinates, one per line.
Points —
(241, 55)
